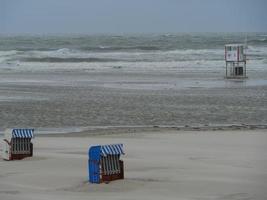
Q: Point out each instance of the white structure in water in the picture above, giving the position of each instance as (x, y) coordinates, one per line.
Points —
(17, 144)
(235, 59)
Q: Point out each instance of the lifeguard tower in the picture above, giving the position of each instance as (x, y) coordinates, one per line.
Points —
(104, 164)
(17, 144)
(235, 59)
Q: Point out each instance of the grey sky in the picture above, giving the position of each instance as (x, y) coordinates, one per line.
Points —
(131, 16)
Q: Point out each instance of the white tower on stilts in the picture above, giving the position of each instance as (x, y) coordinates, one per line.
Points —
(235, 59)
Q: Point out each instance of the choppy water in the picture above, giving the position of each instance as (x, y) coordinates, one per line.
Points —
(200, 51)
(129, 80)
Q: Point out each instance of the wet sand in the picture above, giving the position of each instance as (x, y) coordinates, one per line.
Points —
(117, 98)
(192, 165)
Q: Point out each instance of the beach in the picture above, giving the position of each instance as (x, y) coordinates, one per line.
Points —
(189, 133)
(114, 98)
(165, 164)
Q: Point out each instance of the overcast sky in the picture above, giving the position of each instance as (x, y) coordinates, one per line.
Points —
(131, 16)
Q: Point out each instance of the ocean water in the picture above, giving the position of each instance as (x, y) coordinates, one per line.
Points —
(191, 51)
(76, 82)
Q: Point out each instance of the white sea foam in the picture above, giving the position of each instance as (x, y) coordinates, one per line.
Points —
(149, 56)
(6, 55)
(165, 61)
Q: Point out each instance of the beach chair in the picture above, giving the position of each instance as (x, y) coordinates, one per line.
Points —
(104, 164)
(17, 144)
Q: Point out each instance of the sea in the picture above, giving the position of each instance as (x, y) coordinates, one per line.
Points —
(81, 81)
(197, 51)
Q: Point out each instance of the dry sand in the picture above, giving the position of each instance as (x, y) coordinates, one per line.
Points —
(227, 165)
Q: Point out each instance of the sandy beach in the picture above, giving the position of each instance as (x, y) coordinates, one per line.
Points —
(227, 165)
(189, 133)
(181, 85)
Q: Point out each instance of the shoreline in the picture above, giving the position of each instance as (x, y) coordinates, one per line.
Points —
(113, 130)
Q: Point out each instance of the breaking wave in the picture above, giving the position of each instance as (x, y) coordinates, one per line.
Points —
(70, 60)
(66, 55)
(75, 56)
(120, 48)
(258, 41)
